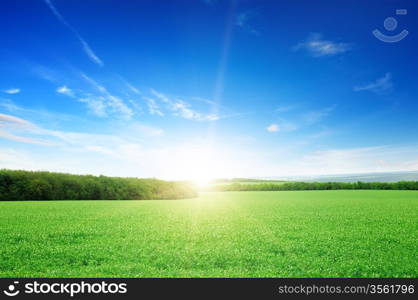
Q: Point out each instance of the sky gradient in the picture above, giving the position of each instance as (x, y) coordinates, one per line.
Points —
(205, 88)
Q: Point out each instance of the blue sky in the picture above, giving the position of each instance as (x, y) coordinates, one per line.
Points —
(206, 88)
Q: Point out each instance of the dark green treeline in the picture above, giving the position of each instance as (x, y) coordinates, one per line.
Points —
(28, 185)
(307, 186)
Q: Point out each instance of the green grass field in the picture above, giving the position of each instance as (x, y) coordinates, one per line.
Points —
(232, 234)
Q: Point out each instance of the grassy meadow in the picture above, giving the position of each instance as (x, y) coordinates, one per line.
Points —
(221, 234)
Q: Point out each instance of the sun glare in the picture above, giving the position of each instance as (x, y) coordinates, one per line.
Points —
(199, 164)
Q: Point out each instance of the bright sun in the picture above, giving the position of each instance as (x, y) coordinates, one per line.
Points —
(199, 164)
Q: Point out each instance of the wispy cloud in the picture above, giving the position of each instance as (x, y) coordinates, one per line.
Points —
(301, 120)
(207, 101)
(90, 52)
(85, 46)
(82, 152)
(106, 102)
(358, 160)
(132, 88)
(381, 85)
(100, 103)
(316, 116)
(153, 108)
(9, 105)
(14, 122)
(96, 105)
(39, 114)
(273, 128)
(46, 73)
(77, 152)
(160, 96)
(317, 46)
(181, 108)
(21, 130)
(242, 20)
(12, 91)
(65, 91)
(10, 124)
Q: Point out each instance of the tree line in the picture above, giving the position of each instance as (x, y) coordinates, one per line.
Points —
(307, 186)
(35, 185)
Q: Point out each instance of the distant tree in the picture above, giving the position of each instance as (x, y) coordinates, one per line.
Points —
(299, 186)
(28, 185)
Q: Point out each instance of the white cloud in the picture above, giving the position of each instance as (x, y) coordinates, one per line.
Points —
(22, 139)
(317, 46)
(11, 124)
(119, 106)
(137, 107)
(90, 52)
(358, 160)
(282, 126)
(65, 91)
(132, 88)
(102, 105)
(207, 101)
(119, 154)
(14, 122)
(273, 128)
(85, 46)
(160, 96)
(381, 85)
(38, 114)
(291, 160)
(96, 105)
(101, 102)
(181, 108)
(12, 91)
(116, 155)
(153, 108)
(17, 129)
(94, 83)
